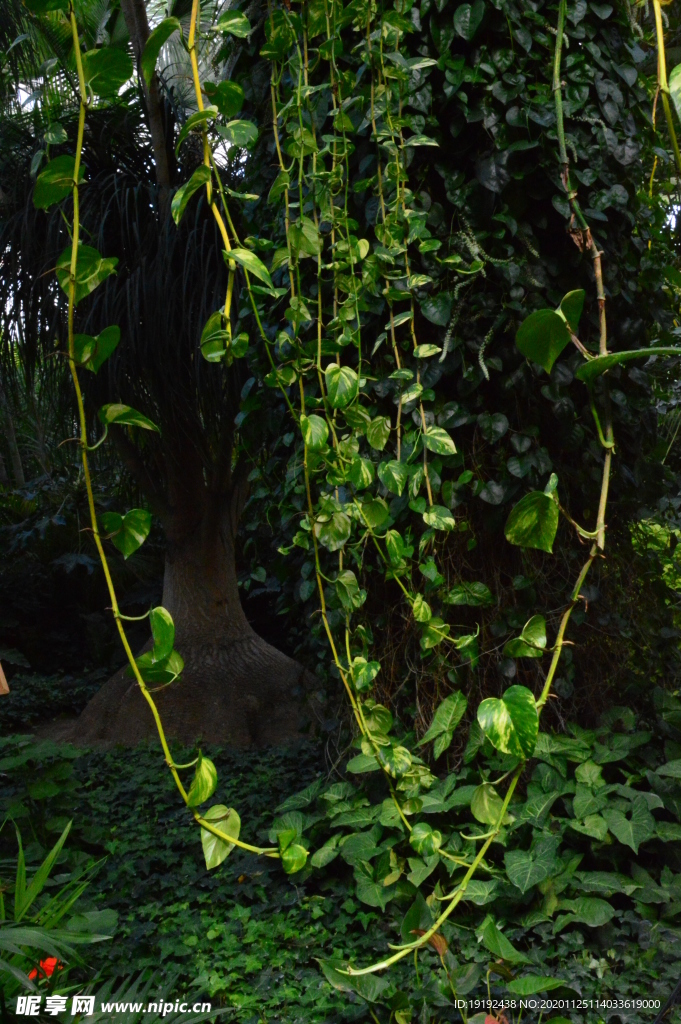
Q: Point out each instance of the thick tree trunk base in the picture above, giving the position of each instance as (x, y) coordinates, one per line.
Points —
(246, 693)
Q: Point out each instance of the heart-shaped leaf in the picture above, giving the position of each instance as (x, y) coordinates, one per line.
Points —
(468, 18)
(107, 69)
(200, 119)
(533, 522)
(511, 722)
(91, 269)
(91, 353)
(425, 840)
(227, 96)
(342, 385)
(250, 262)
(204, 783)
(542, 337)
(55, 182)
(215, 849)
(486, 804)
(235, 23)
(571, 306)
(445, 721)
(163, 632)
(532, 641)
(127, 532)
(497, 943)
(393, 475)
(239, 133)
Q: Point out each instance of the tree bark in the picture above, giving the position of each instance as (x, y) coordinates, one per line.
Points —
(235, 689)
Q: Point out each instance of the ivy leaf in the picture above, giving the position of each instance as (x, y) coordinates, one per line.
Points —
(315, 431)
(542, 337)
(511, 722)
(91, 270)
(55, 182)
(253, 264)
(497, 943)
(160, 35)
(445, 721)
(532, 641)
(200, 118)
(127, 532)
(107, 69)
(342, 385)
(91, 353)
(204, 783)
(226, 820)
(378, 432)
(334, 533)
(436, 439)
(533, 522)
(588, 372)
(199, 179)
(163, 632)
(393, 475)
(571, 307)
(486, 804)
(468, 18)
(439, 518)
(126, 416)
(348, 591)
(240, 133)
(425, 840)
(227, 96)
(235, 23)
(474, 595)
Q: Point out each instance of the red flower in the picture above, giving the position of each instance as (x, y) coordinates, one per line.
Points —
(46, 968)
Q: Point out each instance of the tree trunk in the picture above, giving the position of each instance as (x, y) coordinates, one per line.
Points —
(14, 454)
(235, 689)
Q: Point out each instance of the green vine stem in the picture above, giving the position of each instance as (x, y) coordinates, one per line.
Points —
(662, 83)
(83, 439)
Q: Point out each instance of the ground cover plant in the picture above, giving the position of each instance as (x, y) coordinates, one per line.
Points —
(429, 389)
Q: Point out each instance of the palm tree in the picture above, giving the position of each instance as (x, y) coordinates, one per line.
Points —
(235, 687)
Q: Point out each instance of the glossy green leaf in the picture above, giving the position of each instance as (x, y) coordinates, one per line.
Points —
(204, 783)
(200, 119)
(436, 439)
(571, 307)
(226, 820)
(584, 910)
(107, 69)
(91, 353)
(55, 182)
(334, 533)
(124, 415)
(588, 372)
(91, 270)
(160, 35)
(532, 641)
(375, 513)
(486, 804)
(533, 522)
(474, 595)
(439, 518)
(671, 768)
(633, 828)
(227, 96)
(364, 672)
(235, 23)
(542, 337)
(511, 722)
(199, 179)
(348, 591)
(55, 135)
(252, 263)
(393, 475)
(216, 338)
(425, 840)
(435, 632)
(163, 632)
(497, 943)
(293, 858)
(315, 431)
(378, 432)
(445, 720)
(396, 760)
(159, 672)
(468, 18)
(127, 532)
(526, 869)
(531, 984)
(239, 133)
(342, 385)
(361, 473)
